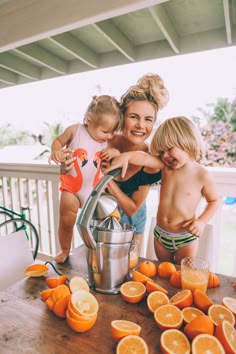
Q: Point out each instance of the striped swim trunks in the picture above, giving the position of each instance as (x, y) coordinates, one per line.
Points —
(173, 241)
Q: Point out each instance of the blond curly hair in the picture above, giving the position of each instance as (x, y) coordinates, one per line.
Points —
(149, 87)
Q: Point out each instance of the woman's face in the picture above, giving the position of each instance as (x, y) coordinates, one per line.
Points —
(139, 119)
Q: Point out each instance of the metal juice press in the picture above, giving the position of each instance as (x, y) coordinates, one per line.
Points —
(107, 241)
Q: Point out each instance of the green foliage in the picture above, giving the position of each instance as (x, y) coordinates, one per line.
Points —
(11, 136)
(51, 132)
(225, 111)
(219, 132)
(220, 144)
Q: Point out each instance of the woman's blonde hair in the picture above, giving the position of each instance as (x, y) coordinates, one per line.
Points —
(101, 105)
(178, 132)
(149, 87)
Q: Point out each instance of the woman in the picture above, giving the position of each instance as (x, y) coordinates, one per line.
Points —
(139, 105)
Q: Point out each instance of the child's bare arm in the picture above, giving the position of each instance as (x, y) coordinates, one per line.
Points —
(138, 158)
(210, 194)
(109, 153)
(196, 227)
(59, 145)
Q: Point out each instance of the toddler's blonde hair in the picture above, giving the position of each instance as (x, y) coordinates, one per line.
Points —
(149, 87)
(178, 132)
(101, 105)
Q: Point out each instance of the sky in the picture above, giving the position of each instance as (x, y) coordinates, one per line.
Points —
(193, 80)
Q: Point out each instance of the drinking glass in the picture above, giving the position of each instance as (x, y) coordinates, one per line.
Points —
(134, 254)
(195, 273)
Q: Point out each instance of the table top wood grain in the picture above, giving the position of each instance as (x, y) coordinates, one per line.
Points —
(27, 326)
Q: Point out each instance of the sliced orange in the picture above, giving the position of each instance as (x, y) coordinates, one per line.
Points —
(173, 341)
(230, 303)
(116, 214)
(54, 282)
(151, 286)
(132, 344)
(73, 313)
(168, 317)
(78, 283)
(57, 293)
(123, 328)
(61, 306)
(141, 278)
(190, 313)
(182, 299)
(166, 269)
(201, 300)
(36, 270)
(199, 325)
(226, 334)
(156, 299)
(45, 294)
(85, 303)
(133, 291)
(205, 344)
(80, 326)
(218, 313)
(213, 281)
(148, 268)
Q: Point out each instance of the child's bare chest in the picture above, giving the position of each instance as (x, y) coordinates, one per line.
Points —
(185, 185)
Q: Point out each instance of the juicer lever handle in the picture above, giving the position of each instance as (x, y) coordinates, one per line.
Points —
(86, 213)
(115, 172)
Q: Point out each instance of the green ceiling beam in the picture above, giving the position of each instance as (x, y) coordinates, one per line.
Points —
(161, 18)
(19, 66)
(116, 38)
(75, 47)
(43, 57)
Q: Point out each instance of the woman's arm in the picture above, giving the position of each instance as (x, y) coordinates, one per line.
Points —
(138, 158)
(129, 205)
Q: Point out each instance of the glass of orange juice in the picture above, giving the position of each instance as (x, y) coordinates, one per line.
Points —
(195, 273)
(134, 254)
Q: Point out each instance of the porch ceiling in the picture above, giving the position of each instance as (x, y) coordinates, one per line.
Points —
(41, 39)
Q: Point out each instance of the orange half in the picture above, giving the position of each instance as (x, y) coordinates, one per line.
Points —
(36, 270)
(123, 328)
(133, 291)
(173, 341)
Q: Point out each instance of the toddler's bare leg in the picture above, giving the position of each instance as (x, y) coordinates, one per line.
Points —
(162, 253)
(69, 205)
(190, 250)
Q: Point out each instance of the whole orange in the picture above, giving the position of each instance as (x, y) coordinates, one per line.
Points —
(148, 268)
(175, 279)
(199, 325)
(166, 269)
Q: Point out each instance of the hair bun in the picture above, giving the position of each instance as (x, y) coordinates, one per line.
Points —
(153, 85)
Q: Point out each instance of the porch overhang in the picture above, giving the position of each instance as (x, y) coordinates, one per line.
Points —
(45, 39)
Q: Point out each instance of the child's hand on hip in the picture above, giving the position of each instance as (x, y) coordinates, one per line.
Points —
(195, 227)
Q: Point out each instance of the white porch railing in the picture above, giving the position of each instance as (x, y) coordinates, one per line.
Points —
(36, 185)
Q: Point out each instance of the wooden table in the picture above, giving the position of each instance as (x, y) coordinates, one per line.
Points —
(27, 326)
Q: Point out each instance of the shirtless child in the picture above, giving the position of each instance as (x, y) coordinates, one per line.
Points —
(177, 147)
